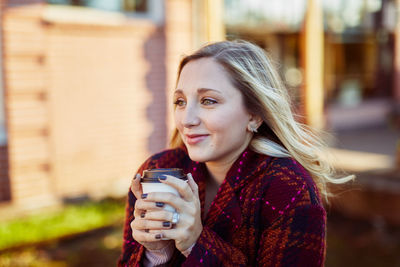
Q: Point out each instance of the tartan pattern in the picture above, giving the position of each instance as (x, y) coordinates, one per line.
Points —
(267, 212)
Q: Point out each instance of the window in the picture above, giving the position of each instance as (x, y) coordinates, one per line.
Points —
(147, 9)
(139, 6)
(135, 5)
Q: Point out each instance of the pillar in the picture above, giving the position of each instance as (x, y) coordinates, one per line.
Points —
(312, 53)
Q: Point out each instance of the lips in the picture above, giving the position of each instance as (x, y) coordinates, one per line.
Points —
(193, 139)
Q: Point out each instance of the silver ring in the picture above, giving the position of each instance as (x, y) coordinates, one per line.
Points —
(175, 218)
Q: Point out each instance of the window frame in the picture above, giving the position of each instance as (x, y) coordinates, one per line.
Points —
(155, 11)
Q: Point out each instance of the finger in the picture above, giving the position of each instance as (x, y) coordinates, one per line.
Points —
(180, 185)
(136, 187)
(158, 215)
(175, 234)
(139, 213)
(143, 224)
(192, 184)
(165, 198)
(142, 236)
(141, 204)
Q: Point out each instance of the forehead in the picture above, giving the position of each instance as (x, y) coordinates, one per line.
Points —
(204, 73)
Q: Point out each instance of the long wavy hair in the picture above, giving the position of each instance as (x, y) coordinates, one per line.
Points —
(280, 135)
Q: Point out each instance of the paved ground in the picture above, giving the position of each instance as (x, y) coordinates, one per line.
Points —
(380, 140)
(368, 132)
(366, 149)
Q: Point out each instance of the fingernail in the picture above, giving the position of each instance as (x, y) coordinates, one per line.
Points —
(158, 236)
(159, 204)
(142, 215)
(166, 224)
(144, 196)
(162, 177)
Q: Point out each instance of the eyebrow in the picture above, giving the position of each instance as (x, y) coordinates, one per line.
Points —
(200, 91)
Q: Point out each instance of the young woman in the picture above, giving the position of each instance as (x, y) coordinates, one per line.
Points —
(255, 176)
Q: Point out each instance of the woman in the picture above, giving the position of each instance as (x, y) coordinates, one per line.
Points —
(254, 174)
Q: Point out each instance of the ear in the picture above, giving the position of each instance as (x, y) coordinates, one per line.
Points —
(255, 121)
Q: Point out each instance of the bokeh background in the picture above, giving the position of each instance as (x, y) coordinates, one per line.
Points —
(85, 90)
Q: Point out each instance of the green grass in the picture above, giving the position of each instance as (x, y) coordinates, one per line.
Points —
(72, 219)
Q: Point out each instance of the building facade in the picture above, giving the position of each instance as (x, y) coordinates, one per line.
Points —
(85, 90)
(85, 97)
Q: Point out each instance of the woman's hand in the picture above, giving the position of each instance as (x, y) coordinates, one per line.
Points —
(141, 226)
(189, 227)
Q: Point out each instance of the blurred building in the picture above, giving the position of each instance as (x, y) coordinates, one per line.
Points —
(360, 85)
(84, 93)
(85, 85)
(340, 59)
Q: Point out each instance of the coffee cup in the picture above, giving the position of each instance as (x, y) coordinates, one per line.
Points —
(151, 183)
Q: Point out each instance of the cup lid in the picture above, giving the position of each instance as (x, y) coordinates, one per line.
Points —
(153, 175)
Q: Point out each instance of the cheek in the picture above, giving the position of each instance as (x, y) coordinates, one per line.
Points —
(177, 119)
(233, 124)
(215, 122)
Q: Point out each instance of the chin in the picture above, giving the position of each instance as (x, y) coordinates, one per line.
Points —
(199, 157)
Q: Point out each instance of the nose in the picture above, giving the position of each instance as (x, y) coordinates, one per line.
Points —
(190, 116)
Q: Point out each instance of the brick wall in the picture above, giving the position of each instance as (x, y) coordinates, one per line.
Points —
(179, 39)
(4, 178)
(26, 99)
(155, 54)
(107, 103)
(86, 102)
(5, 194)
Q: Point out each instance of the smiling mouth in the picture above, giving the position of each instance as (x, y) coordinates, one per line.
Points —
(195, 138)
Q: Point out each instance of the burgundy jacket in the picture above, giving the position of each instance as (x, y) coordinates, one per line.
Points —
(267, 212)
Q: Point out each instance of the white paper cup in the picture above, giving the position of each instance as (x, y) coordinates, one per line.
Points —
(150, 182)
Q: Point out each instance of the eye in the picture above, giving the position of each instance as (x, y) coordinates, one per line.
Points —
(208, 101)
(179, 102)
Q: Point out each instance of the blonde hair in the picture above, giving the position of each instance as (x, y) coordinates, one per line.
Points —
(265, 95)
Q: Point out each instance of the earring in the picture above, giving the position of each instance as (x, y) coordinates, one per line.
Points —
(253, 130)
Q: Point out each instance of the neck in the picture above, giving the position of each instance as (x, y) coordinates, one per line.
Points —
(219, 169)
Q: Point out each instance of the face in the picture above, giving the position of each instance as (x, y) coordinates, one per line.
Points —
(209, 113)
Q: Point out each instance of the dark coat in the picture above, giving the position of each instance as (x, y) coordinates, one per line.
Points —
(267, 212)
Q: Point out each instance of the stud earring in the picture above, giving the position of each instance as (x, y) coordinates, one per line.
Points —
(253, 129)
